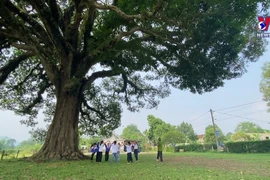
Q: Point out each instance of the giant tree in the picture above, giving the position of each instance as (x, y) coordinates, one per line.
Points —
(79, 60)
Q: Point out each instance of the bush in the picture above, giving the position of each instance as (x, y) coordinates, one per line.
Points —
(248, 147)
(169, 149)
(196, 147)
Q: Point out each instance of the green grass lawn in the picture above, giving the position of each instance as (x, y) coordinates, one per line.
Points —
(199, 166)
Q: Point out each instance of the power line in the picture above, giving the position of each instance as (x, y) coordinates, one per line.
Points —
(264, 110)
(238, 106)
(202, 124)
(199, 116)
(241, 117)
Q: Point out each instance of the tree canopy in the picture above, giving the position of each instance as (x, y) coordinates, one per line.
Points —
(132, 132)
(209, 135)
(248, 127)
(240, 136)
(7, 143)
(81, 60)
(265, 83)
(157, 128)
(173, 137)
(188, 131)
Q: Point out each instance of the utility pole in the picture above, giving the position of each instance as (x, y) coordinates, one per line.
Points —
(214, 129)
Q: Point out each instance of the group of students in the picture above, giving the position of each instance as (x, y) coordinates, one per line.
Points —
(98, 148)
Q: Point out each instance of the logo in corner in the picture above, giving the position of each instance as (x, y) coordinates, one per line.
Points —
(263, 26)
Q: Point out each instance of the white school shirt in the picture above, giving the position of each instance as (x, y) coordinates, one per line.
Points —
(114, 148)
(135, 146)
(101, 147)
(128, 148)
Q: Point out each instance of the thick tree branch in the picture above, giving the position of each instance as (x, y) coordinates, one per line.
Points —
(126, 81)
(51, 26)
(67, 15)
(55, 10)
(12, 65)
(27, 76)
(117, 11)
(93, 109)
(88, 28)
(101, 74)
(37, 29)
(128, 33)
(23, 46)
(38, 99)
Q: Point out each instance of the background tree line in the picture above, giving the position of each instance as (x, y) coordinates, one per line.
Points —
(170, 134)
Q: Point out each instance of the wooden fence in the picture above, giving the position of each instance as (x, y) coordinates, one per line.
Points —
(6, 153)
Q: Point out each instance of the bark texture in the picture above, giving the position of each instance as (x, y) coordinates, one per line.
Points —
(62, 138)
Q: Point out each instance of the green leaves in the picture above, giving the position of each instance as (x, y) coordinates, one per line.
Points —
(248, 127)
(265, 83)
(132, 132)
(209, 135)
(173, 137)
(188, 131)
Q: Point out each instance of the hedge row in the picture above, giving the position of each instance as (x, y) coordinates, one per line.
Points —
(233, 147)
(196, 147)
(248, 147)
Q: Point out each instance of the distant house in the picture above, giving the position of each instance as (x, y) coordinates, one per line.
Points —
(112, 138)
(200, 139)
(259, 136)
(116, 138)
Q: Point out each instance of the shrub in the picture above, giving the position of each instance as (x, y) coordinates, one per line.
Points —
(169, 149)
(196, 147)
(248, 147)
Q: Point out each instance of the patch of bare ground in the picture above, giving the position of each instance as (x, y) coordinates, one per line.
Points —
(221, 164)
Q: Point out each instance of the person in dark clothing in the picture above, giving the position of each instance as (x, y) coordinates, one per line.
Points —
(97, 149)
(136, 150)
(160, 148)
(129, 151)
(100, 150)
(93, 150)
(108, 148)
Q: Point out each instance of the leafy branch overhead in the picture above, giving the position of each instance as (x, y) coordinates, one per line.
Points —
(100, 54)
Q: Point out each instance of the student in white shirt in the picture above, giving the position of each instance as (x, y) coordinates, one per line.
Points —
(129, 151)
(136, 150)
(118, 151)
(114, 148)
(100, 150)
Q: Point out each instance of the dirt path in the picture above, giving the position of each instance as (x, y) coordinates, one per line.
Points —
(222, 164)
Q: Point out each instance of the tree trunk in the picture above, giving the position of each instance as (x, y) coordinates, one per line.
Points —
(62, 137)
